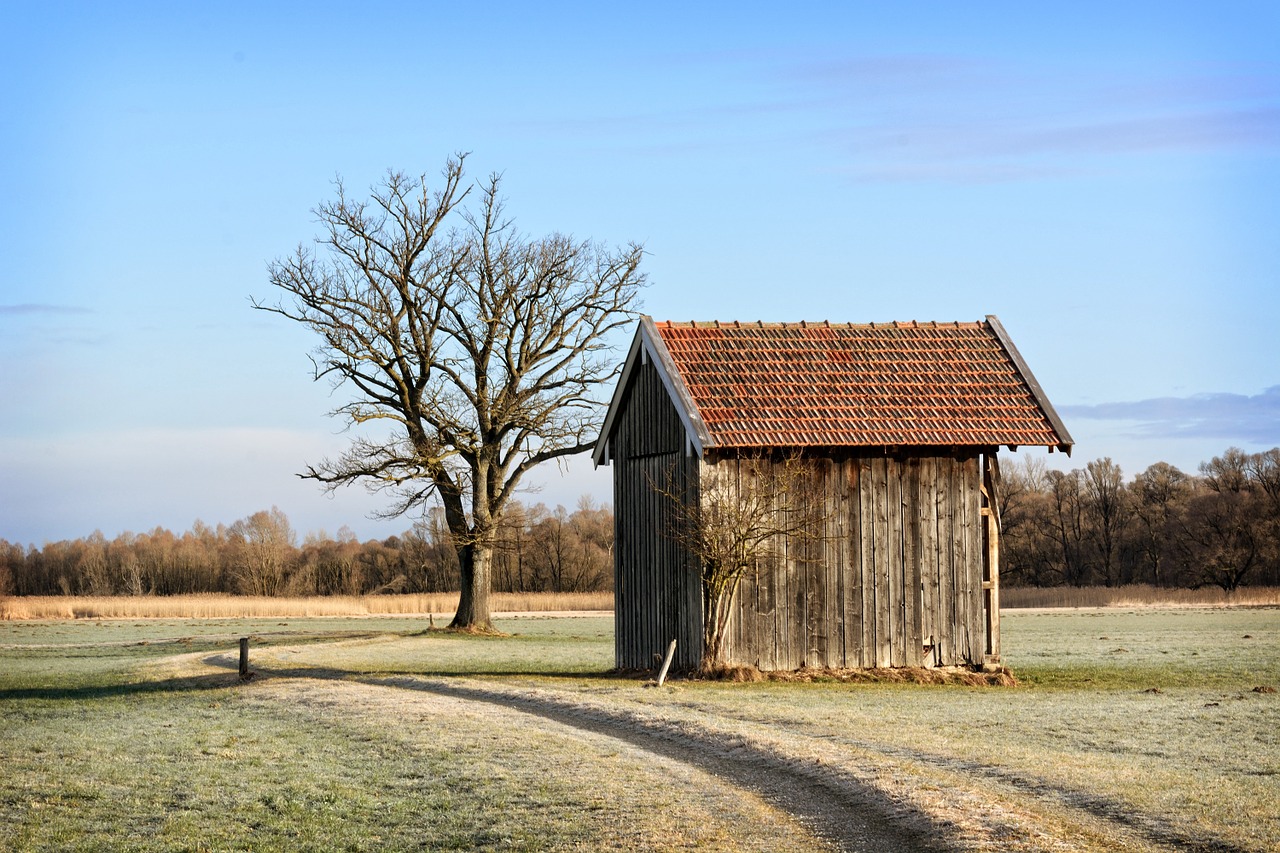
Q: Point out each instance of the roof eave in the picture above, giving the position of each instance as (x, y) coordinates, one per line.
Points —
(648, 344)
(1065, 441)
(600, 451)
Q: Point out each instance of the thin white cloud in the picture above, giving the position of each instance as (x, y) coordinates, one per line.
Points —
(39, 308)
(1231, 417)
(907, 118)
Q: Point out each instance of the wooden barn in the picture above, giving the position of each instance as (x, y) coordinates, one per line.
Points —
(897, 424)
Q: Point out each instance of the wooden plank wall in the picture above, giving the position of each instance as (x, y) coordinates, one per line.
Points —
(895, 580)
(656, 584)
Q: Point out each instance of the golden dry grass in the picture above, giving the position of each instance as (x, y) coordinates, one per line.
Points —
(1000, 677)
(1137, 595)
(212, 606)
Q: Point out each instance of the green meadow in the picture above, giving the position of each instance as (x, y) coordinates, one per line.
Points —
(1135, 729)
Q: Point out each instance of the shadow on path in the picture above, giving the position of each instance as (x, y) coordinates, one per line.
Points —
(852, 816)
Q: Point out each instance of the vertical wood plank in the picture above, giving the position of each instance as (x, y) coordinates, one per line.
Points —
(894, 535)
(991, 475)
(964, 618)
(881, 550)
(818, 570)
(853, 617)
(963, 595)
(977, 626)
(838, 530)
(946, 562)
(866, 535)
(964, 566)
(928, 510)
(796, 628)
(911, 597)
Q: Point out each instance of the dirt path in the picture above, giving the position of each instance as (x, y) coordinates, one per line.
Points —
(857, 799)
(838, 805)
(853, 817)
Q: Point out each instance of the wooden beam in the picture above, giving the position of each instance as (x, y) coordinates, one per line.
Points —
(991, 561)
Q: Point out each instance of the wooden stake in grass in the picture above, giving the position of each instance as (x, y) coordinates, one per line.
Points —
(245, 674)
(666, 663)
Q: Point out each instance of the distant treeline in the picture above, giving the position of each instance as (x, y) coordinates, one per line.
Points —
(541, 550)
(1167, 528)
(1083, 527)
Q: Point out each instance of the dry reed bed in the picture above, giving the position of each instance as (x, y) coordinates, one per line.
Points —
(243, 606)
(216, 606)
(1137, 595)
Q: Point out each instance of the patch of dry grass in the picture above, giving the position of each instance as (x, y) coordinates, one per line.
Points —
(1135, 595)
(1001, 677)
(212, 606)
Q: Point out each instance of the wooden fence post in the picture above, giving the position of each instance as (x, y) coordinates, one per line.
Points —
(244, 658)
(666, 663)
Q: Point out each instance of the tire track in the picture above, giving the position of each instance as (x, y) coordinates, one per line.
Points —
(853, 816)
(850, 812)
(1153, 828)
(832, 802)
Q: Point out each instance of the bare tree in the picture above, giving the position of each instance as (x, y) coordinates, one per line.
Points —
(1224, 539)
(740, 518)
(480, 348)
(1107, 506)
(1230, 527)
(1228, 472)
(1160, 491)
(1066, 523)
(263, 548)
(1264, 470)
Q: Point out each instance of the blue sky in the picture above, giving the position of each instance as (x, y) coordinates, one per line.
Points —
(1105, 180)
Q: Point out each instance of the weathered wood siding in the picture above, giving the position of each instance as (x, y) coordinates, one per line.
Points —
(896, 579)
(904, 573)
(657, 593)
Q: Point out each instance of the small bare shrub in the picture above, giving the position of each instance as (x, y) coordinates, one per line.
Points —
(730, 672)
(1000, 677)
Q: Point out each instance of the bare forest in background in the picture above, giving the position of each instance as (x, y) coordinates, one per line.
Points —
(1088, 527)
(539, 550)
(1080, 528)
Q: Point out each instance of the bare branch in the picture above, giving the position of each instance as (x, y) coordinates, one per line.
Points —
(484, 349)
(739, 517)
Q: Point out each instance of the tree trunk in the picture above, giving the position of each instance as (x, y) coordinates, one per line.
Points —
(475, 564)
(717, 606)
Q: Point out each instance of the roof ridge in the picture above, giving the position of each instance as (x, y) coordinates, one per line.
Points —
(813, 324)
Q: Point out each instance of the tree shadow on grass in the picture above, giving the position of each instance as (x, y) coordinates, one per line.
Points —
(186, 684)
(276, 670)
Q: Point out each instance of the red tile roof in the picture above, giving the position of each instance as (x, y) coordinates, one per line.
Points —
(877, 384)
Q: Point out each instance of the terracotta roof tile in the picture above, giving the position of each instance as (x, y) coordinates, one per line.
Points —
(902, 383)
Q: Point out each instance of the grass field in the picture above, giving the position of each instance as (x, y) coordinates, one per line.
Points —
(1134, 729)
